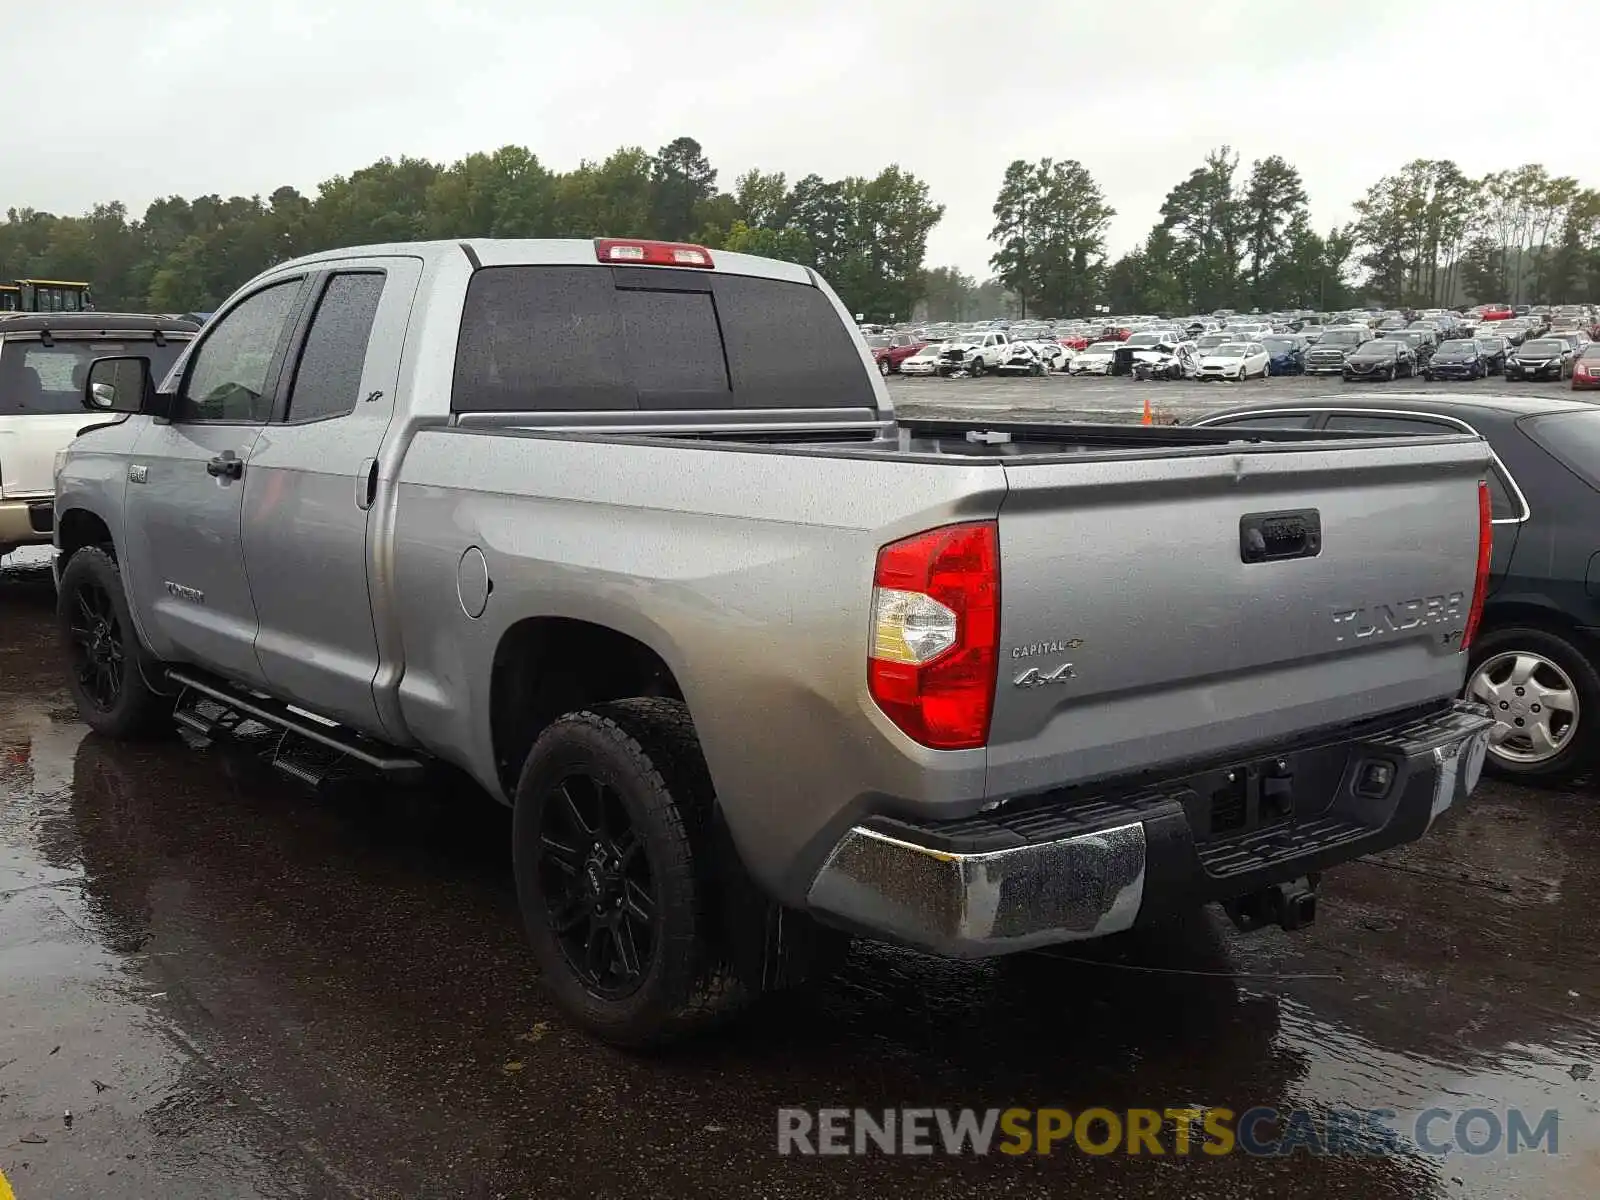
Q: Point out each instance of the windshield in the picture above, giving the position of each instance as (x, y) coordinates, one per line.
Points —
(35, 378)
(1381, 348)
(1490, 343)
(1231, 350)
(1103, 348)
(1342, 337)
(1545, 346)
(1458, 347)
(877, 341)
(1143, 339)
(1211, 340)
(1278, 345)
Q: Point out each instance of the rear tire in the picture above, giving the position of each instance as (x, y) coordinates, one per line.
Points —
(105, 660)
(883, 367)
(1495, 657)
(612, 856)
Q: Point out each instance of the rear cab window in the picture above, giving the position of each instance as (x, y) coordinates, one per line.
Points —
(38, 379)
(327, 378)
(598, 338)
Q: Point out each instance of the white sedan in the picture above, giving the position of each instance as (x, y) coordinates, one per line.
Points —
(924, 361)
(1094, 360)
(1234, 360)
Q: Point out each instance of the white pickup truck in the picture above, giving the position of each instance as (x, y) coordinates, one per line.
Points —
(43, 360)
(975, 352)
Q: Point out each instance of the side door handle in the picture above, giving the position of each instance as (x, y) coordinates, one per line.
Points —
(367, 483)
(226, 465)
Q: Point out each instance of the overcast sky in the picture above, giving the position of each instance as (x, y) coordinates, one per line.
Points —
(112, 100)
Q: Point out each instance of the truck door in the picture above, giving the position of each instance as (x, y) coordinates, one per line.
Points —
(313, 480)
(186, 479)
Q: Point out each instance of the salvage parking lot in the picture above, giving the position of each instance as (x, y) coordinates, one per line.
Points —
(237, 987)
(1097, 398)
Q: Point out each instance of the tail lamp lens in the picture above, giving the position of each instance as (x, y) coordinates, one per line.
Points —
(1480, 586)
(935, 633)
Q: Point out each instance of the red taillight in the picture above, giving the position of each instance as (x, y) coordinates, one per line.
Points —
(935, 633)
(651, 254)
(1480, 586)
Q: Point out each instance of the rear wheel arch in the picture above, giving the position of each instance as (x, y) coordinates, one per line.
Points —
(545, 667)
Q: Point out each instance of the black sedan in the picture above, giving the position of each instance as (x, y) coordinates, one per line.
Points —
(1536, 659)
(1381, 358)
(1494, 351)
(1539, 358)
(1459, 358)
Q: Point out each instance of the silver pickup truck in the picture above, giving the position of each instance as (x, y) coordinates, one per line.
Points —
(628, 531)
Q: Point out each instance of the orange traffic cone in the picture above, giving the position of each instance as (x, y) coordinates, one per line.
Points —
(1145, 420)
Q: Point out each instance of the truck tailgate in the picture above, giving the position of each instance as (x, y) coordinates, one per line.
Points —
(1155, 610)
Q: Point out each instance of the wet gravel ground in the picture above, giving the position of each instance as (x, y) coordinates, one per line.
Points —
(242, 988)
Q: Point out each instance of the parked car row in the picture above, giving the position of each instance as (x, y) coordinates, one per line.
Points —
(1291, 339)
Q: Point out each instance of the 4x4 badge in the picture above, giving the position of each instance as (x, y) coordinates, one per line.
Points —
(1034, 677)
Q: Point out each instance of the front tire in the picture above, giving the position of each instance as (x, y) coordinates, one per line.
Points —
(612, 849)
(104, 657)
(1544, 692)
(976, 368)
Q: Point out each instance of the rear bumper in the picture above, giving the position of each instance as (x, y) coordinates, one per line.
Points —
(26, 522)
(1071, 866)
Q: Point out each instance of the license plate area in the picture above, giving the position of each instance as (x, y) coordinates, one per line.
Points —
(1264, 793)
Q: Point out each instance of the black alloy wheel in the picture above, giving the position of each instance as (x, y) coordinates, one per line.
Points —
(597, 887)
(95, 646)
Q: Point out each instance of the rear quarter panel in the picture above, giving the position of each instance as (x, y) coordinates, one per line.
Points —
(749, 573)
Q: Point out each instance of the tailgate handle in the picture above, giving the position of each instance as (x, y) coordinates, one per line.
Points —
(1276, 536)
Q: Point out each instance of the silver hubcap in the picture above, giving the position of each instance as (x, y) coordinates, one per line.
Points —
(1534, 702)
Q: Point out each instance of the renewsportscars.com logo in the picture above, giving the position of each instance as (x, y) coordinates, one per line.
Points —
(1176, 1132)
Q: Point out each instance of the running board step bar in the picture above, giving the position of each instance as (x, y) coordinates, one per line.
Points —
(238, 706)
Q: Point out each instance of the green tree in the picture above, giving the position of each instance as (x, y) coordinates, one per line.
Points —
(763, 199)
(613, 198)
(1206, 216)
(507, 194)
(949, 294)
(1016, 229)
(1274, 199)
(789, 245)
(1050, 224)
(683, 180)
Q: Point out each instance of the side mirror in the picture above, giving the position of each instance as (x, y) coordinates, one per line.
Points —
(119, 385)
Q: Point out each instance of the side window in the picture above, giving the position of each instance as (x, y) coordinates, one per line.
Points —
(327, 380)
(227, 377)
(1275, 421)
(1370, 423)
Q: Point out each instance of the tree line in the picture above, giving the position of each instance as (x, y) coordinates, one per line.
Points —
(1428, 235)
(867, 236)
